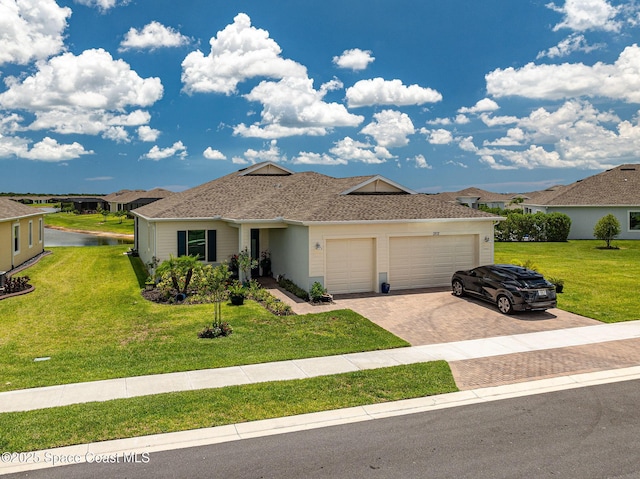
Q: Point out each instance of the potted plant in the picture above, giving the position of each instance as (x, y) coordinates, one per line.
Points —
(265, 263)
(558, 283)
(149, 283)
(237, 293)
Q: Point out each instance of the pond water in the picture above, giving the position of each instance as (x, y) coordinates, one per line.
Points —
(65, 238)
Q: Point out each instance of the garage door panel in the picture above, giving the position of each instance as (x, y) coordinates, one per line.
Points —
(350, 265)
(429, 261)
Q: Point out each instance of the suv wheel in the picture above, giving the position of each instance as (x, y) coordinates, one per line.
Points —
(458, 288)
(504, 304)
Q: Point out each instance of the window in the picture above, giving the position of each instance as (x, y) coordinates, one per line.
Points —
(634, 220)
(16, 239)
(30, 234)
(40, 230)
(200, 243)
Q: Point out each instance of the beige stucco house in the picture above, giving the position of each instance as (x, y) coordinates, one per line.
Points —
(350, 234)
(21, 233)
(615, 191)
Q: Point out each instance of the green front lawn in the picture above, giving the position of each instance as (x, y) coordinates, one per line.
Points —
(88, 316)
(94, 222)
(82, 423)
(599, 283)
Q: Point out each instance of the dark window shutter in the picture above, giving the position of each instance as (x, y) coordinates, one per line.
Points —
(211, 246)
(182, 243)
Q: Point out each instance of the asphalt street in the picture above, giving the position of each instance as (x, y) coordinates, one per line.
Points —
(589, 432)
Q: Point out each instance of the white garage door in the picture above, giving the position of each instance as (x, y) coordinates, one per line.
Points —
(429, 261)
(350, 265)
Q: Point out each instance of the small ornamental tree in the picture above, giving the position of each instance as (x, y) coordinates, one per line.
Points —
(606, 229)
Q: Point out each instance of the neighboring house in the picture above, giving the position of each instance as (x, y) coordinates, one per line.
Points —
(84, 204)
(127, 200)
(349, 234)
(21, 233)
(615, 191)
(475, 197)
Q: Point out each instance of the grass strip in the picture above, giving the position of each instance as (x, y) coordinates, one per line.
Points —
(91, 222)
(123, 418)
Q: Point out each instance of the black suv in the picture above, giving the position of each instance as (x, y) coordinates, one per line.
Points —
(511, 288)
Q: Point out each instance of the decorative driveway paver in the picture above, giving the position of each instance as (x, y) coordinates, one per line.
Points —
(430, 316)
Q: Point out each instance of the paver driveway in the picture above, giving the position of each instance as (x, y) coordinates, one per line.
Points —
(430, 316)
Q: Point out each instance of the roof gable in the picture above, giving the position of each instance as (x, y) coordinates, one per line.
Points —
(378, 185)
(267, 168)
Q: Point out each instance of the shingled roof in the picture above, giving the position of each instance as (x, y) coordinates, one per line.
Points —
(483, 195)
(128, 196)
(618, 186)
(302, 197)
(10, 210)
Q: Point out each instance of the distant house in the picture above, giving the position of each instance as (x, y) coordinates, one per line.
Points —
(85, 204)
(127, 200)
(21, 233)
(349, 234)
(475, 197)
(615, 191)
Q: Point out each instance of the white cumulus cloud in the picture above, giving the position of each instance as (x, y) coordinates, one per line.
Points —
(619, 81)
(238, 52)
(50, 150)
(146, 133)
(156, 153)
(102, 5)
(293, 107)
(152, 36)
(31, 30)
(307, 158)
(349, 149)
(378, 91)
(573, 43)
(211, 154)
(86, 94)
(354, 59)
(390, 128)
(583, 15)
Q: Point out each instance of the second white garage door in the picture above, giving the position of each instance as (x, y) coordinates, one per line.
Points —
(350, 265)
(429, 261)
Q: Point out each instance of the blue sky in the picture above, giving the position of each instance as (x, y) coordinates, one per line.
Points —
(509, 96)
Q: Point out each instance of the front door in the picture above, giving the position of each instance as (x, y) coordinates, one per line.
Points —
(255, 251)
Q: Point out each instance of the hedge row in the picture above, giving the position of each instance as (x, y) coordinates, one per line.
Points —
(533, 227)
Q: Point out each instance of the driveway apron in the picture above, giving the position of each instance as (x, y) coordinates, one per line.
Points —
(433, 316)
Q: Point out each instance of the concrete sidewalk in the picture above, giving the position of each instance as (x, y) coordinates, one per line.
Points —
(39, 398)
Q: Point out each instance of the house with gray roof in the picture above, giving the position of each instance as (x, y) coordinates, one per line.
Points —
(21, 233)
(615, 191)
(350, 234)
(476, 197)
(127, 200)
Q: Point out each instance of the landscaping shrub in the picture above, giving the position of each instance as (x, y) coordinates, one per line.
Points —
(15, 284)
(606, 229)
(223, 329)
(316, 292)
(293, 288)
